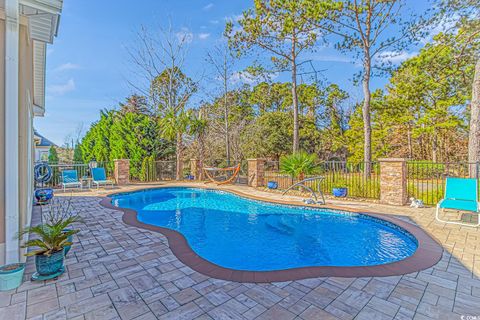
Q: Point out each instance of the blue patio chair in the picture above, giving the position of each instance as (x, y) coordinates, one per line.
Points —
(460, 194)
(99, 177)
(70, 179)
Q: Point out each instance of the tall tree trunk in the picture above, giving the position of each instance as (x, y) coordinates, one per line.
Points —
(410, 143)
(296, 138)
(367, 129)
(179, 166)
(434, 147)
(227, 134)
(422, 147)
(201, 156)
(474, 134)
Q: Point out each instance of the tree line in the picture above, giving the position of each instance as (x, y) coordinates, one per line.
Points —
(429, 109)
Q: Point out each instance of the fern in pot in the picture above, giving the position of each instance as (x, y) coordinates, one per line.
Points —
(49, 242)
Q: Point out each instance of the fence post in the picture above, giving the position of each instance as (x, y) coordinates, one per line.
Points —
(393, 181)
(122, 171)
(256, 172)
(196, 169)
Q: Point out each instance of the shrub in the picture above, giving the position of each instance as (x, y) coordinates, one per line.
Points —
(299, 164)
(147, 172)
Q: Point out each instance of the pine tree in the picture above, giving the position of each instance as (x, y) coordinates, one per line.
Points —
(52, 155)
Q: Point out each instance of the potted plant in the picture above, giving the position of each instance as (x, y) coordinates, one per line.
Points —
(272, 185)
(11, 276)
(49, 242)
(299, 164)
(59, 210)
(339, 190)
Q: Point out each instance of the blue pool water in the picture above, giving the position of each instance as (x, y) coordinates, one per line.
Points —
(244, 234)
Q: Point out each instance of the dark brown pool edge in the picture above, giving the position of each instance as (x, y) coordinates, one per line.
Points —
(428, 253)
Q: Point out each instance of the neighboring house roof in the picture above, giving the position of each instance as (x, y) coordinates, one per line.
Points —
(41, 141)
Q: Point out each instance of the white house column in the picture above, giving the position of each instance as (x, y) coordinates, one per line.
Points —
(12, 210)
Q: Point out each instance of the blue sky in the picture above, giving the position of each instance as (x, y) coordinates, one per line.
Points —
(88, 66)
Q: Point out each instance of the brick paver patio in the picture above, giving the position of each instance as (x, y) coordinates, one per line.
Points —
(115, 271)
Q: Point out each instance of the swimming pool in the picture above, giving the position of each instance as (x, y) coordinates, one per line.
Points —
(242, 234)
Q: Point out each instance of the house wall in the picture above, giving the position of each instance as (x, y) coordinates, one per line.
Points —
(25, 125)
(2, 138)
(25, 181)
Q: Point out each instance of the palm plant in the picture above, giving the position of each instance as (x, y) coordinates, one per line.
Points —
(173, 125)
(299, 164)
(198, 129)
(51, 237)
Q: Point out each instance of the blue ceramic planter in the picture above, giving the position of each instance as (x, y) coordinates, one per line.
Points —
(340, 192)
(272, 185)
(50, 265)
(11, 276)
(43, 195)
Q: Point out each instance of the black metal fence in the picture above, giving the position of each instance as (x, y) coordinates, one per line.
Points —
(336, 174)
(157, 171)
(426, 180)
(83, 172)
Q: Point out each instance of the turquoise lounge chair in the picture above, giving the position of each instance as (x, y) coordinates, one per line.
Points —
(70, 179)
(460, 194)
(99, 178)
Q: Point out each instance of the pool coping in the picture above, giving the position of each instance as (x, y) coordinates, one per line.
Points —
(428, 252)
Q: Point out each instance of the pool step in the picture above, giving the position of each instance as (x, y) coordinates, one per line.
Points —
(278, 225)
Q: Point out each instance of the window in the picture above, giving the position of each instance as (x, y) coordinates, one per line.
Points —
(43, 155)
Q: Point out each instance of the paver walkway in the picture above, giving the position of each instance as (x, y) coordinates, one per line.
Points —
(115, 271)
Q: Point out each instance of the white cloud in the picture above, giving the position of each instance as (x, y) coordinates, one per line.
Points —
(234, 17)
(67, 66)
(241, 77)
(184, 35)
(395, 57)
(331, 58)
(214, 21)
(203, 36)
(60, 89)
(208, 7)
(446, 24)
(247, 78)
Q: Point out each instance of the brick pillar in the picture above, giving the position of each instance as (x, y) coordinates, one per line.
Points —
(256, 172)
(196, 169)
(393, 181)
(122, 171)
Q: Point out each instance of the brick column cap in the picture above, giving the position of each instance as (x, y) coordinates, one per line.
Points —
(392, 160)
(257, 159)
(121, 160)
